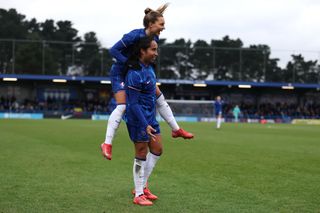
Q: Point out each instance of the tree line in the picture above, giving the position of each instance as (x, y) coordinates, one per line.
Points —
(55, 48)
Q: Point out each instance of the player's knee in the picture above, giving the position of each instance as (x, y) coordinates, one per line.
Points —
(157, 151)
(141, 152)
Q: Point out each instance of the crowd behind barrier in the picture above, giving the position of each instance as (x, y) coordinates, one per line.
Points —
(248, 111)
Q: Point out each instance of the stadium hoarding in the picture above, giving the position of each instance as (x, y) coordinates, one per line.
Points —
(8, 115)
(306, 121)
(186, 119)
(99, 117)
(104, 117)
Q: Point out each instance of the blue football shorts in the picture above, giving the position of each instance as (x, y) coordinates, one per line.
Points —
(117, 78)
(218, 113)
(139, 134)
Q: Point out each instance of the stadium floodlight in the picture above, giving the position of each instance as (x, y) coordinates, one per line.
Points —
(244, 86)
(9, 79)
(59, 80)
(199, 85)
(105, 82)
(287, 87)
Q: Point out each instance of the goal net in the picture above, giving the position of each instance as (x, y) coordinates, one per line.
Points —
(196, 108)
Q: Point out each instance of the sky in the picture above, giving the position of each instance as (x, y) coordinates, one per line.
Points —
(286, 26)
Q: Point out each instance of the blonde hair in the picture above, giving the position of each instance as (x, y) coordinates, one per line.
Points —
(152, 16)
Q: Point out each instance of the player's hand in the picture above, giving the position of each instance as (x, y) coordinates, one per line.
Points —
(150, 132)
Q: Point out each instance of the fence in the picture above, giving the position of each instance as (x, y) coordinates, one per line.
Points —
(175, 62)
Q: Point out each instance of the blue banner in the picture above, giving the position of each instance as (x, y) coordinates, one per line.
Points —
(98, 117)
(21, 115)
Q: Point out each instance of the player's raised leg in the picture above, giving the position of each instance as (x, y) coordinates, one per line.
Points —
(166, 113)
(114, 122)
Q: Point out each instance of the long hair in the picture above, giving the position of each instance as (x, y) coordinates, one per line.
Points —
(152, 16)
(143, 44)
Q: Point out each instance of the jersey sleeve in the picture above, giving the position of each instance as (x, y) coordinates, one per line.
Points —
(130, 38)
(126, 41)
(115, 52)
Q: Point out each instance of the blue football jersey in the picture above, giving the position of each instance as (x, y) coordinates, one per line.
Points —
(218, 106)
(123, 48)
(141, 92)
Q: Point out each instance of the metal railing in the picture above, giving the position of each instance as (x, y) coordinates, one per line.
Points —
(174, 62)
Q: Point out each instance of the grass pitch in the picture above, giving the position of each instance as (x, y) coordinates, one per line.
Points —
(56, 166)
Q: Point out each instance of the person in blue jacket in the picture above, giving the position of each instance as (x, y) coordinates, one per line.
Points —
(153, 25)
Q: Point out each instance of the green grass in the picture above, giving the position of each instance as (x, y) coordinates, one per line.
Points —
(56, 166)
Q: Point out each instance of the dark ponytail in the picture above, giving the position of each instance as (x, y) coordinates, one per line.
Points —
(133, 61)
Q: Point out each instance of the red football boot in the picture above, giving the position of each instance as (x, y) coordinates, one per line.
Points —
(106, 150)
(142, 201)
(182, 133)
(147, 193)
